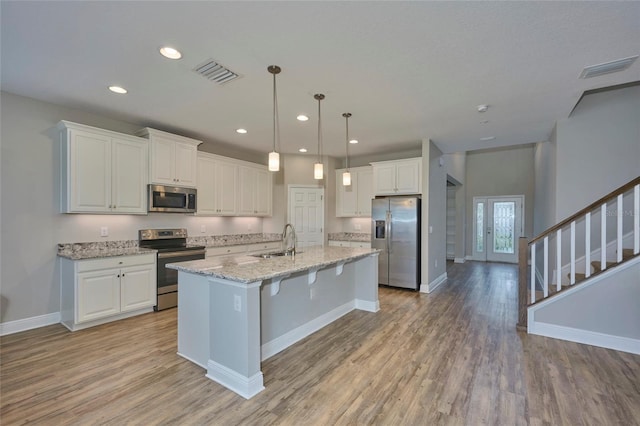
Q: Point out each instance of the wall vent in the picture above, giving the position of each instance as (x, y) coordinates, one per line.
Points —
(608, 67)
(213, 71)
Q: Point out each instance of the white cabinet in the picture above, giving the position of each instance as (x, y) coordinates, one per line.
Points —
(397, 177)
(255, 191)
(102, 171)
(356, 244)
(244, 249)
(173, 158)
(96, 291)
(228, 187)
(354, 200)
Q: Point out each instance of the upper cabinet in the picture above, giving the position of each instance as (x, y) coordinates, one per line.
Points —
(354, 200)
(397, 177)
(173, 158)
(102, 171)
(228, 187)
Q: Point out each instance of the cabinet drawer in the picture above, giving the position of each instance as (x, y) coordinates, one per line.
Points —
(360, 244)
(114, 262)
(264, 247)
(221, 251)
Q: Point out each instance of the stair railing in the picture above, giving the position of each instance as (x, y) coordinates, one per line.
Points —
(528, 250)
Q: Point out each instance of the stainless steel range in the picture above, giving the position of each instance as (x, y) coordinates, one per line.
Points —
(172, 247)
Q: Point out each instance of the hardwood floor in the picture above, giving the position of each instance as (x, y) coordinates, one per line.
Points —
(451, 357)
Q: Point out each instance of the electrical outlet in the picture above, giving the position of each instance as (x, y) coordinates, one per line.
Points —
(249, 228)
(357, 227)
(203, 228)
(237, 303)
(436, 263)
(104, 231)
(312, 293)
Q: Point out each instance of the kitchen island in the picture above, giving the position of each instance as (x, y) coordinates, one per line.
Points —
(235, 312)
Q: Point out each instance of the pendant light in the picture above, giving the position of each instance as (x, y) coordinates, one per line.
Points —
(274, 157)
(346, 175)
(318, 172)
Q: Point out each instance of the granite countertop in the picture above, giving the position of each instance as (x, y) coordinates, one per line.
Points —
(350, 236)
(81, 251)
(246, 269)
(233, 240)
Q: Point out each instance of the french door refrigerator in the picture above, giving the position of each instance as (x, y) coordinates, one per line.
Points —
(395, 229)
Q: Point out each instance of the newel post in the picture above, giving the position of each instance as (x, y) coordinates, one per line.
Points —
(523, 255)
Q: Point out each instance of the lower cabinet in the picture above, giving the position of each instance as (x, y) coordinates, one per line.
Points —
(357, 244)
(96, 291)
(244, 249)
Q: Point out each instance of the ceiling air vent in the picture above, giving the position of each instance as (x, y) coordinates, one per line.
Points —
(211, 70)
(608, 67)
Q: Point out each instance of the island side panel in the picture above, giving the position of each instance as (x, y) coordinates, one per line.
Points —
(366, 272)
(193, 318)
(234, 322)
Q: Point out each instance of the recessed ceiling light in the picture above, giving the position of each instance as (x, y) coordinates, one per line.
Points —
(483, 108)
(303, 150)
(170, 52)
(118, 89)
(353, 141)
(488, 138)
(241, 131)
(302, 117)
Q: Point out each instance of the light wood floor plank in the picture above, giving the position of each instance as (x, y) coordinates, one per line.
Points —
(452, 357)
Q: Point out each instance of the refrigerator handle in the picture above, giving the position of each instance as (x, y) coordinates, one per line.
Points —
(388, 231)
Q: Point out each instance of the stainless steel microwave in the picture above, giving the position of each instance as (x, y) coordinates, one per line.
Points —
(171, 199)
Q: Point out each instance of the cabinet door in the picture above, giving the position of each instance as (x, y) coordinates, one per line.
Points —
(226, 188)
(384, 179)
(162, 161)
(137, 288)
(408, 177)
(89, 172)
(264, 187)
(364, 180)
(206, 186)
(97, 295)
(247, 191)
(129, 176)
(185, 164)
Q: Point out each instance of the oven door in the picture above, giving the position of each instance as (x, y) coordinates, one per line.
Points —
(168, 278)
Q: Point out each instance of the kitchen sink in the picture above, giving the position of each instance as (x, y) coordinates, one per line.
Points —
(274, 254)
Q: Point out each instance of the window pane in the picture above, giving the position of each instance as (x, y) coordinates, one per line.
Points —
(480, 227)
(504, 214)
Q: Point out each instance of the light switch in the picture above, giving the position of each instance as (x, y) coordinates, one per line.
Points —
(203, 228)
(430, 229)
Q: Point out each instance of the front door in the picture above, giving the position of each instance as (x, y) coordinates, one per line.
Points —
(497, 225)
(306, 214)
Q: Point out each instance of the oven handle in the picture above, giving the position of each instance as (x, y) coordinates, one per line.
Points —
(180, 254)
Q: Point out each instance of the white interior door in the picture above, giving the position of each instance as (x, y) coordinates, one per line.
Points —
(497, 225)
(306, 213)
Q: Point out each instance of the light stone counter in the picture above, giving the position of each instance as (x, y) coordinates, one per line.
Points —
(96, 250)
(247, 269)
(235, 312)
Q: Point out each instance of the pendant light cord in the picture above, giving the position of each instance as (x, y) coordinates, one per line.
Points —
(346, 115)
(276, 124)
(319, 97)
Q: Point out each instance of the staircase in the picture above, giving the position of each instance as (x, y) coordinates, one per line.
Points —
(586, 248)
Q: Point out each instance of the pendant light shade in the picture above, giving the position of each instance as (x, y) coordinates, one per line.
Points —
(274, 157)
(346, 175)
(318, 168)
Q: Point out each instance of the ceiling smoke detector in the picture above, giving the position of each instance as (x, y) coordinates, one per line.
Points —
(608, 67)
(213, 71)
(483, 108)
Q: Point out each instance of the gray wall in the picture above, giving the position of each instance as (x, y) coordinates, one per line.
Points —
(544, 213)
(31, 224)
(505, 171)
(437, 213)
(598, 148)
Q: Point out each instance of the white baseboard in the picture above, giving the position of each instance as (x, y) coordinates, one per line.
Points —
(366, 305)
(17, 326)
(246, 387)
(459, 260)
(278, 344)
(624, 344)
(433, 284)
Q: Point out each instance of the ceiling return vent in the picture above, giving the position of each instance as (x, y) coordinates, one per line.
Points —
(608, 67)
(213, 71)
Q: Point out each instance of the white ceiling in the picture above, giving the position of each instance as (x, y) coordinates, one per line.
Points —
(405, 70)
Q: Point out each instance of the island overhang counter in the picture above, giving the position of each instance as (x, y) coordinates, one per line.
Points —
(234, 313)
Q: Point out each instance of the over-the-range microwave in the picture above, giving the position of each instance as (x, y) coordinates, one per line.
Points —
(171, 199)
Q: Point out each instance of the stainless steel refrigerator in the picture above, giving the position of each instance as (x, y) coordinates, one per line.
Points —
(395, 229)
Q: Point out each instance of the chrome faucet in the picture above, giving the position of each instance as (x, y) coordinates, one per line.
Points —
(289, 250)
